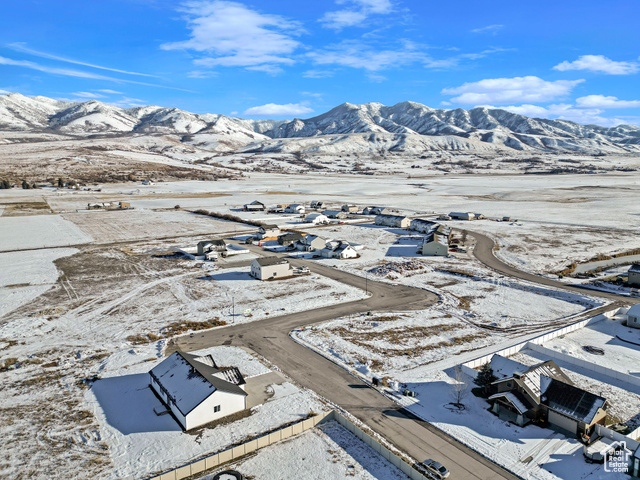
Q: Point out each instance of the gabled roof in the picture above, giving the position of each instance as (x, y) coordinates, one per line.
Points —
(572, 401)
(515, 399)
(189, 382)
(256, 202)
(635, 267)
(634, 310)
(266, 261)
(504, 367)
(269, 227)
(391, 217)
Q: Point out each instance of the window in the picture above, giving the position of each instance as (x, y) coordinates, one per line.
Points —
(216, 409)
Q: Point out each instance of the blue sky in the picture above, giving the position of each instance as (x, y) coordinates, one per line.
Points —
(577, 60)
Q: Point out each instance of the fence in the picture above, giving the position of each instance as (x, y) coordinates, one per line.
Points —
(213, 461)
(629, 440)
(587, 365)
(470, 366)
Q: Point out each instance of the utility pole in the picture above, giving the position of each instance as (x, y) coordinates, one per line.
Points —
(233, 307)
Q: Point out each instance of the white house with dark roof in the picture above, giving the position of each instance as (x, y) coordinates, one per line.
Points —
(254, 206)
(338, 249)
(267, 231)
(195, 390)
(270, 268)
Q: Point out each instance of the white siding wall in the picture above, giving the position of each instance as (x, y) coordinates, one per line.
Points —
(435, 248)
(273, 271)
(203, 413)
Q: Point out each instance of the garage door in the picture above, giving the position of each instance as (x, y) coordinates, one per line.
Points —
(563, 422)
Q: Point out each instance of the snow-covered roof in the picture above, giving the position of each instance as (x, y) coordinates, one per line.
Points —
(266, 261)
(505, 367)
(635, 267)
(515, 401)
(391, 217)
(189, 382)
(634, 310)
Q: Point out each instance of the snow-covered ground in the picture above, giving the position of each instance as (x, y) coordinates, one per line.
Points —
(39, 231)
(327, 452)
(141, 443)
(26, 275)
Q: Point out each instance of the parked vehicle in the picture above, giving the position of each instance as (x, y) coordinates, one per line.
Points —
(439, 470)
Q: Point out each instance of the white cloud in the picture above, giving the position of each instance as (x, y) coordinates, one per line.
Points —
(318, 74)
(508, 90)
(21, 47)
(493, 29)
(376, 78)
(565, 111)
(601, 101)
(232, 35)
(356, 14)
(312, 94)
(357, 54)
(109, 92)
(599, 63)
(126, 102)
(87, 95)
(77, 73)
(272, 109)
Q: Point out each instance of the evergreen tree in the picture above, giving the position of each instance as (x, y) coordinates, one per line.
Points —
(485, 378)
(25, 185)
(60, 183)
(4, 184)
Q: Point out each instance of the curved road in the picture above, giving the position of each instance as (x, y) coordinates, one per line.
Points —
(270, 338)
(483, 251)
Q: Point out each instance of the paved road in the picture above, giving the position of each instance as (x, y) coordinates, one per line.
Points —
(483, 251)
(270, 338)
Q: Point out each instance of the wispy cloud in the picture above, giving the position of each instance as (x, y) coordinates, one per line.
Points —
(273, 109)
(599, 63)
(318, 73)
(109, 92)
(356, 13)
(492, 29)
(563, 111)
(601, 101)
(21, 47)
(88, 95)
(67, 72)
(357, 54)
(233, 35)
(508, 90)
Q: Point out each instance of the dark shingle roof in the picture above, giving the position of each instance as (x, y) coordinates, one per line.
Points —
(635, 267)
(266, 261)
(572, 401)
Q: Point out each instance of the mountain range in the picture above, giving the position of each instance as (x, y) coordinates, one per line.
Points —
(406, 127)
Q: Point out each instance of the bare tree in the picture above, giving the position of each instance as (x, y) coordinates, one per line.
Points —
(460, 387)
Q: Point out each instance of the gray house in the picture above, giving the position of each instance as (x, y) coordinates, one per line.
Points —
(254, 206)
(270, 268)
(309, 243)
(289, 237)
(335, 214)
(634, 275)
(462, 216)
(435, 245)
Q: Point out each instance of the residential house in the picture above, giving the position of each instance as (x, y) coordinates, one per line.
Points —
(317, 204)
(309, 243)
(462, 216)
(269, 268)
(317, 219)
(371, 210)
(289, 237)
(422, 225)
(338, 249)
(339, 214)
(435, 244)
(254, 206)
(268, 231)
(633, 278)
(195, 391)
(350, 208)
(294, 208)
(205, 246)
(633, 316)
(543, 392)
(398, 221)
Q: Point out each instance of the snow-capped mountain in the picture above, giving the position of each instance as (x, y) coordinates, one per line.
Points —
(407, 127)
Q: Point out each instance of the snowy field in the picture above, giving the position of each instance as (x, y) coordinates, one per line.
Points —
(141, 443)
(327, 452)
(39, 231)
(131, 225)
(25, 276)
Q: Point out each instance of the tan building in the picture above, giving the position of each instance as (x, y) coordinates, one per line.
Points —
(634, 275)
(398, 221)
